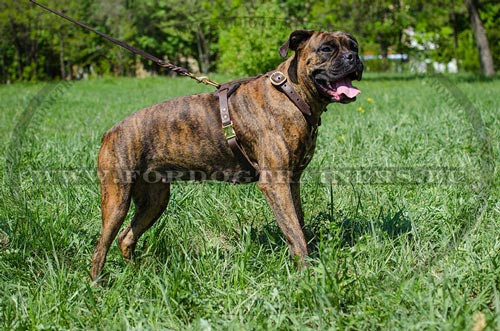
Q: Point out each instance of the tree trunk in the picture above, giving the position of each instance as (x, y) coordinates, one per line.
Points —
(4, 71)
(18, 47)
(203, 51)
(481, 39)
(383, 50)
(453, 21)
(20, 67)
(61, 56)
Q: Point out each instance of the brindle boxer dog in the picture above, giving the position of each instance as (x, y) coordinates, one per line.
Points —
(184, 135)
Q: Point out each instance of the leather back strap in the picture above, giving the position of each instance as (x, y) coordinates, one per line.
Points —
(278, 79)
(228, 129)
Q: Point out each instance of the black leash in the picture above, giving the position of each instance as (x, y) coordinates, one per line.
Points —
(179, 70)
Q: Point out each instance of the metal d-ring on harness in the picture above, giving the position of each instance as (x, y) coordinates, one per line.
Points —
(280, 82)
(277, 78)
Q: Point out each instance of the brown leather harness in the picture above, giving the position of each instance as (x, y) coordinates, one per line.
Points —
(280, 82)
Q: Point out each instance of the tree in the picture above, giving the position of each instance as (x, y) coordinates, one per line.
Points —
(240, 37)
(115, 18)
(482, 43)
(249, 43)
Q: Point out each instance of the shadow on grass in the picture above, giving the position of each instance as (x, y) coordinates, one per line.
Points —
(344, 229)
(348, 230)
(331, 227)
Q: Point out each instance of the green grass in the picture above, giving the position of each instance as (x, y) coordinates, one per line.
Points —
(388, 255)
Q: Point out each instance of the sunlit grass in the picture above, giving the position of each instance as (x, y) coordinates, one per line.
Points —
(387, 255)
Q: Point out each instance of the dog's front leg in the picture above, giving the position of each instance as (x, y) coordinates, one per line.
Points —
(295, 186)
(278, 192)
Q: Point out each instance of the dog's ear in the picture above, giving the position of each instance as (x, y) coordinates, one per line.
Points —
(296, 38)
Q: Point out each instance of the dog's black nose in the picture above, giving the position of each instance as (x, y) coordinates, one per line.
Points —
(350, 57)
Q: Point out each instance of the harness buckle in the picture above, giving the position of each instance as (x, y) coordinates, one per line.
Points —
(229, 131)
(277, 78)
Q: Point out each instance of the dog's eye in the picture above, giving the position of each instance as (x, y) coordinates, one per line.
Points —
(326, 49)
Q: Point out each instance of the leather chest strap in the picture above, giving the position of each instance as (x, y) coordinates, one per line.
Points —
(229, 133)
(279, 80)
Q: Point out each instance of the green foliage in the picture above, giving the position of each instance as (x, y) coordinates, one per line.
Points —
(467, 52)
(250, 46)
(228, 36)
(490, 14)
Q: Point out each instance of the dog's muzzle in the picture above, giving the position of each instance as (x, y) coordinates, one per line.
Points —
(336, 84)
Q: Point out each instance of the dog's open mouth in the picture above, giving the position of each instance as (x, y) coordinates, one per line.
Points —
(340, 90)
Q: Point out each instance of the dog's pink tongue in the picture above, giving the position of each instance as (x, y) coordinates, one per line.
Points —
(345, 87)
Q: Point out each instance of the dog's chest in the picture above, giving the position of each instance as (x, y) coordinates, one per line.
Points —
(309, 145)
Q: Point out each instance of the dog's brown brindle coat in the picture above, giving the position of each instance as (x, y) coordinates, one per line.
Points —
(185, 134)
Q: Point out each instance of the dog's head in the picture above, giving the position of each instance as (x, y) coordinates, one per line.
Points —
(327, 60)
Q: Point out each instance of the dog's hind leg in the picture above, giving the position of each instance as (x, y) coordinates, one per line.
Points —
(115, 203)
(150, 201)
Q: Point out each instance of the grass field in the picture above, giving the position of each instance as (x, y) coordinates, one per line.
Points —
(416, 249)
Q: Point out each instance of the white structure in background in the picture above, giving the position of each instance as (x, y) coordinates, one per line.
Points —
(450, 67)
(418, 66)
(422, 66)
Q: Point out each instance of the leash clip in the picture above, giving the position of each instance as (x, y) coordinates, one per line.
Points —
(277, 78)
